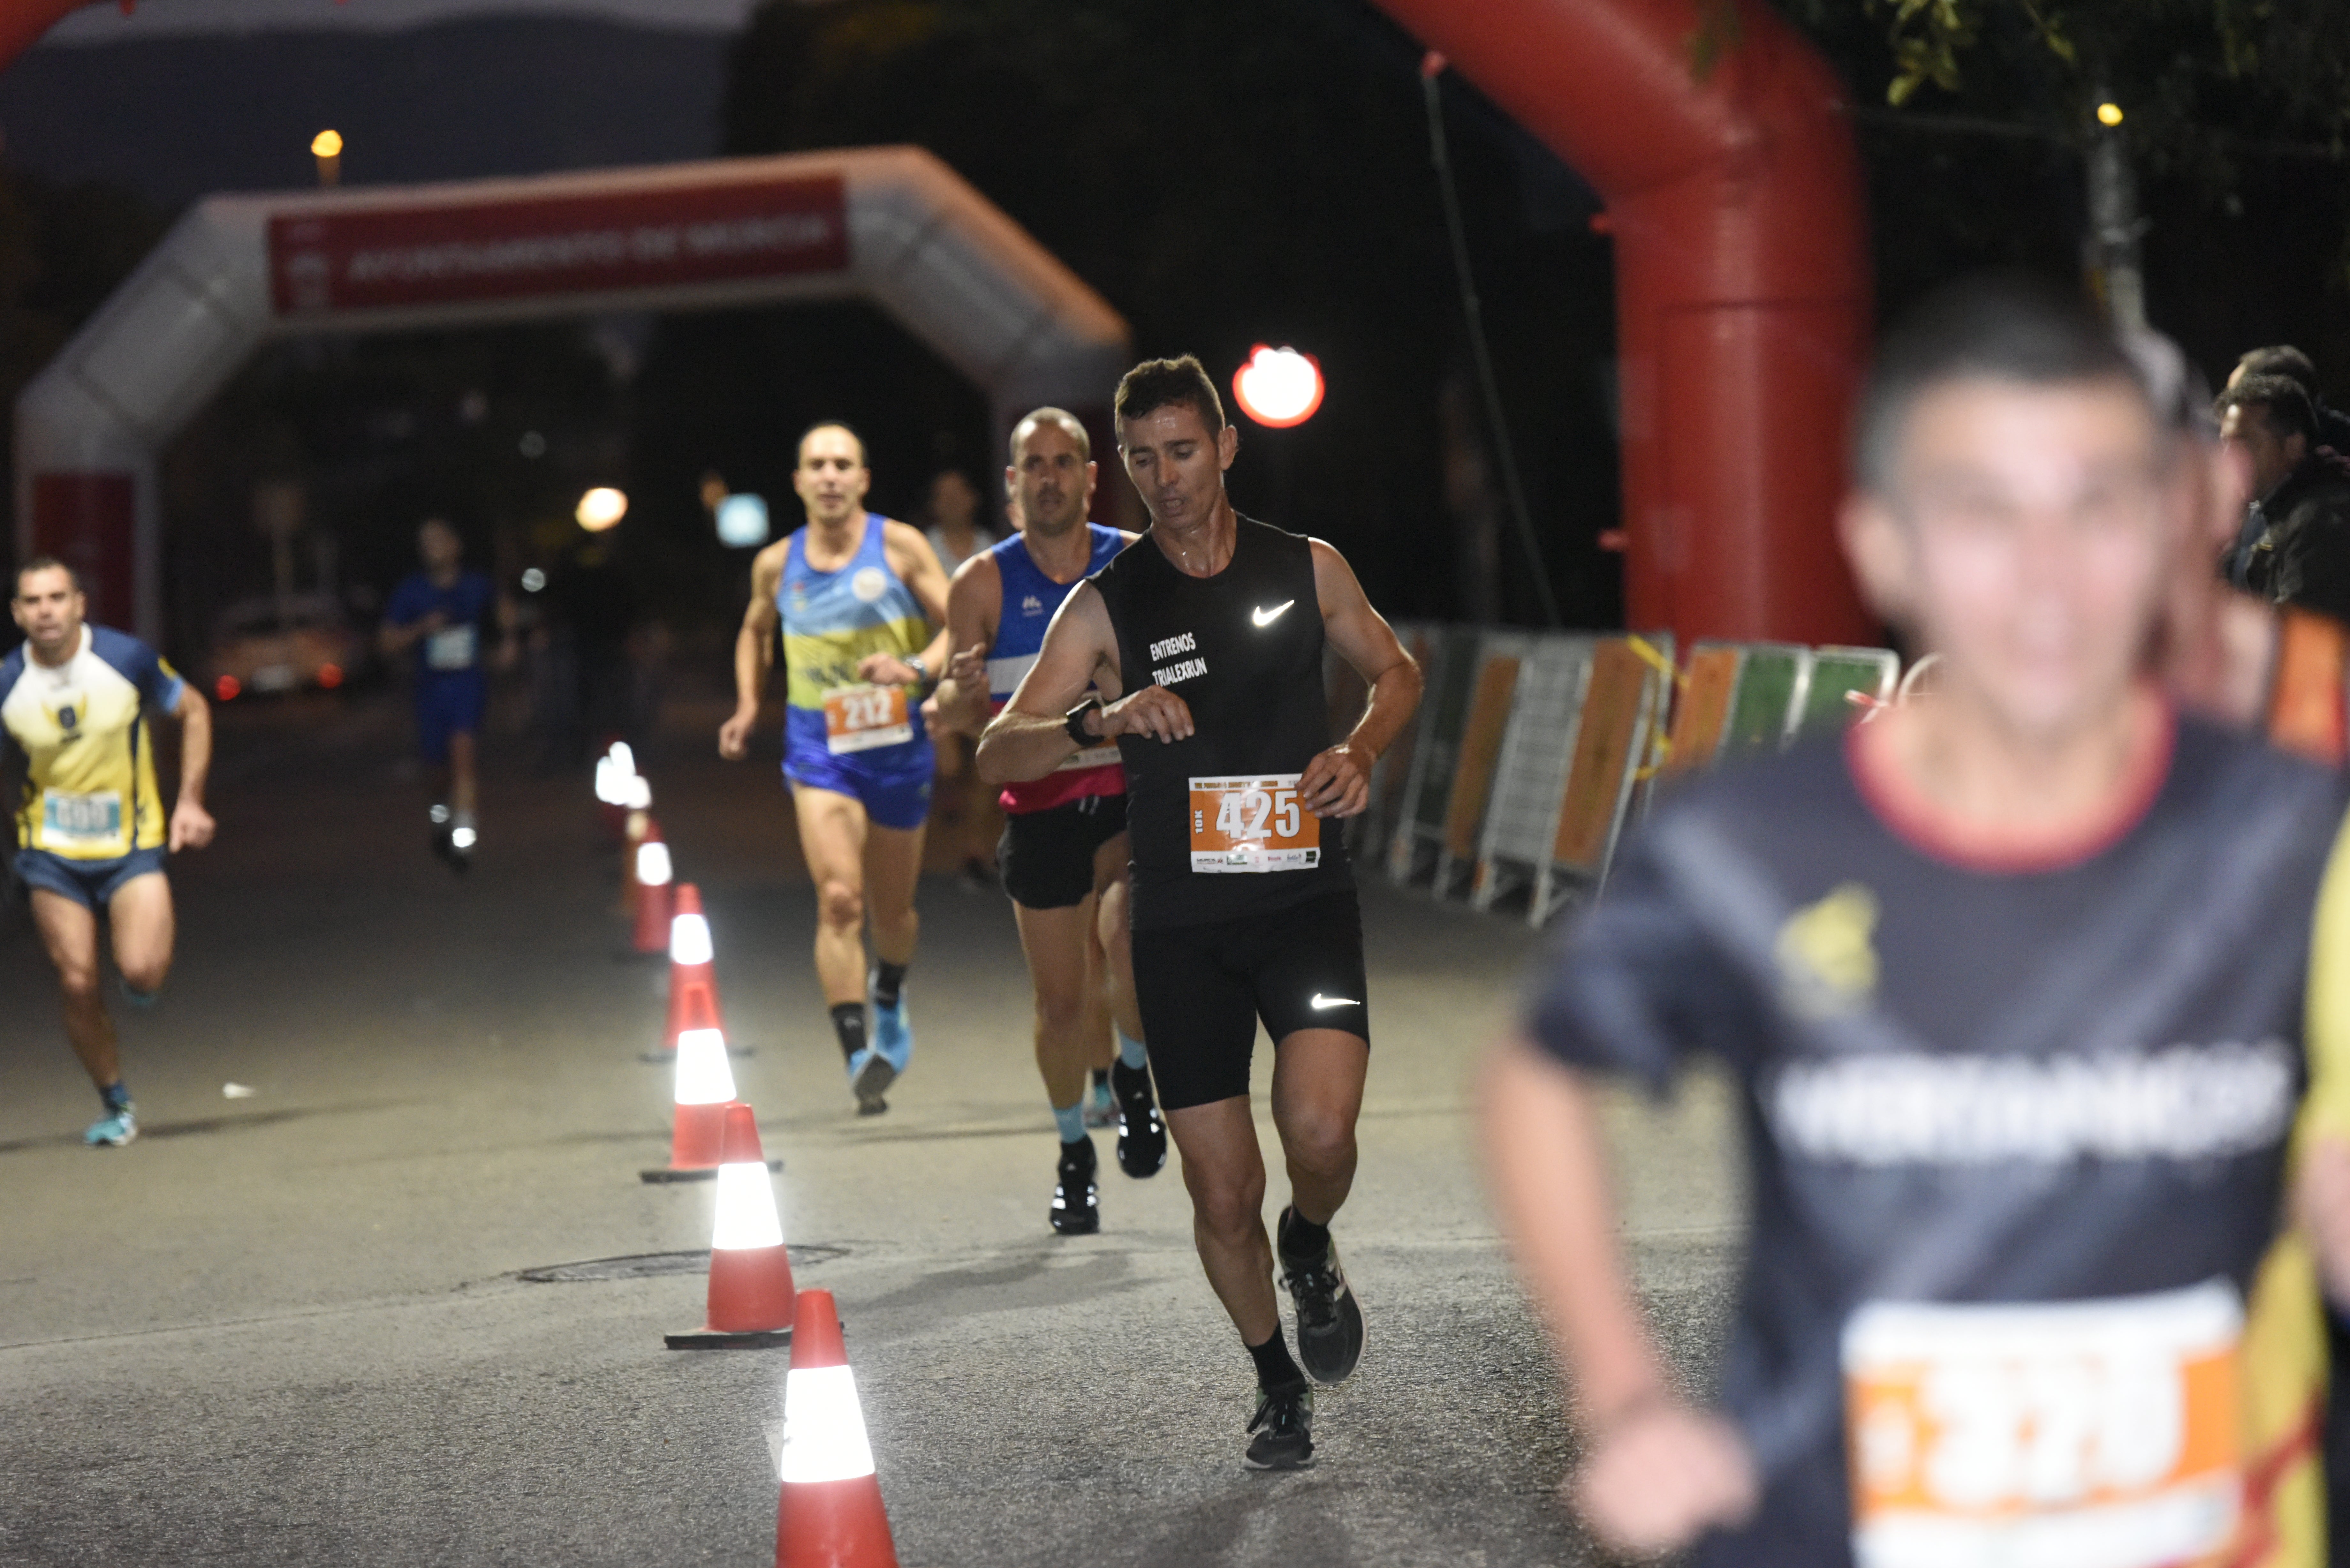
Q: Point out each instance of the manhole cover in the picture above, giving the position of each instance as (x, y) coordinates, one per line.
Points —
(648, 1265)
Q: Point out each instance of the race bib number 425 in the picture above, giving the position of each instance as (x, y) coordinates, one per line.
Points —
(1243, 822)
(80, 821)
(859, 718)
(2100, 1434)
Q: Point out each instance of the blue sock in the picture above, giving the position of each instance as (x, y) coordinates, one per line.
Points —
(1130, 1051)
(1072, 1122)
(137, 998)
(117, 1097)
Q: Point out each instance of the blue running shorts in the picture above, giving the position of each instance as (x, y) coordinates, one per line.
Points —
(448, 705)
(892, 782)
(92, 883)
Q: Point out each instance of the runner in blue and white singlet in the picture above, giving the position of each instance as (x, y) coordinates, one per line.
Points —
(1063, 852)
(855, 596)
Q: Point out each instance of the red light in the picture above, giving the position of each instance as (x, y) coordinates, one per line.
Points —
(330, 676)
(1278, 388)
(226, 688)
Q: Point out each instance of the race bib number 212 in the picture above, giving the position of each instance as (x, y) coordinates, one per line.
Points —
(1243, 821)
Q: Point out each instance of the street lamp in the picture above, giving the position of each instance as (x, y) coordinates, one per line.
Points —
(326, 146)
(1278, 387)
(600, 508)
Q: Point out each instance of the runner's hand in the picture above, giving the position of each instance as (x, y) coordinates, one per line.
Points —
(191, 827)
(1337, 782)
(932, 725)
(1662, 1477)
(887, 669)
(967, 667)
(2321, 1202)
(1153, 711)
(734, 735)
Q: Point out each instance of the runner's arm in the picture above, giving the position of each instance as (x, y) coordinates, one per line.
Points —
(754, 651)
(972, 599)
(191, 826)
(1030, 738)
(917, 566)
(1337, 783)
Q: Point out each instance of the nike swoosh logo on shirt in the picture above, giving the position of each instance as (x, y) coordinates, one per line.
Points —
(1321, 1001)
(1267, 616)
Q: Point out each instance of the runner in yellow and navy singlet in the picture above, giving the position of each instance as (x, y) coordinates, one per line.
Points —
(76, 701)
(856, 596)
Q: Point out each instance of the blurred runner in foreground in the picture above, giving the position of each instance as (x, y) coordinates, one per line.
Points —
(91, 831)
(857, 594)
(2015, 982)
(1064, 850)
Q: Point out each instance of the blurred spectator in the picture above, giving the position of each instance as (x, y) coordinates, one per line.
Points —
(951, 519)
(2295, 544)
(2284, 359)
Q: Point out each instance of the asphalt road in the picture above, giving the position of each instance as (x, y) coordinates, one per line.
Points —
(295, 1327)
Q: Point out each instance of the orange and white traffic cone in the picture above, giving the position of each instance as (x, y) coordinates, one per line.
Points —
(830, 1513)
(705, 1087)
(751, 1289)
(692, 978)
(652, 863)
(638, 792)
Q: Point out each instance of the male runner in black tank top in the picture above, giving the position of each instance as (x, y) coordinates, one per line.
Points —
(1206, 640)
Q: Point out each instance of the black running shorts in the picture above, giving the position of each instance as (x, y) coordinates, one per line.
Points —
(1047, 856)
(1203, 988)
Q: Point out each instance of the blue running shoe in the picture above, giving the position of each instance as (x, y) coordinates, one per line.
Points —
(870, 1076)
(893, 1036)
(115, 1129)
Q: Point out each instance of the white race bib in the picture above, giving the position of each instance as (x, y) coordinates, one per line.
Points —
(451, 648)
(1252, 822)
(83, 822)
(2100, 1434)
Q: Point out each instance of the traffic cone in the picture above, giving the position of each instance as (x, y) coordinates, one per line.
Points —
(652, 865)
(692, 980)
(830, 1513)
(639, 794)
(750, 1272)
(705, 1086)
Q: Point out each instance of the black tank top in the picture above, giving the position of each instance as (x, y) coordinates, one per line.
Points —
(1243, 649)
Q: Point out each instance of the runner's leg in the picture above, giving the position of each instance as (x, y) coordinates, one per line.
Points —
(1113, 934)
(893, 867)
(833, 833)
(69, 931)
(1223, 1170)
(1318, 1094)
(462, 779)
(144, 928)
(1055, 942)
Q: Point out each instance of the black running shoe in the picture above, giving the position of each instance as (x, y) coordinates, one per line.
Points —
(1141, 1135)
(1284, 1424)
(1329, 1319)
(1077, 1200)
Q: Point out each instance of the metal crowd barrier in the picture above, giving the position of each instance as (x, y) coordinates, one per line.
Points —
(1532, 751)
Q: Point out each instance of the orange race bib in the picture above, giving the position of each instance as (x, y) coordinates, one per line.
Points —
(2100, 1434)
(1252, 822)
(859, 718)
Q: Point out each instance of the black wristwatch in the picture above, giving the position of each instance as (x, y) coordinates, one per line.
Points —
(1076, 722)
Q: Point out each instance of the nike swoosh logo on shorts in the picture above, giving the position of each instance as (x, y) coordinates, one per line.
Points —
(1321, 1001)
(1267, 616)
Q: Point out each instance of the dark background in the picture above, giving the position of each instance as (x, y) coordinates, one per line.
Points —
(1225, 172)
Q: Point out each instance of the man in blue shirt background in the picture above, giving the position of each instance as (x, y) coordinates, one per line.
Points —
(445, 613)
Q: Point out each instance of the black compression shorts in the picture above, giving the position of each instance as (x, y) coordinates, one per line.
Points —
(1047, 856)
(1201, 990)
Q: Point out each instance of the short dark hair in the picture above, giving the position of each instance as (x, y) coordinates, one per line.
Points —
(46, 563)
(2282, 359)
(864, 459)
(1157, 384)
(1996, 328)
(2283, 407)
(1049, 415)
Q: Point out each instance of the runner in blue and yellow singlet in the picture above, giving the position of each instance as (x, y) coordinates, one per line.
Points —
(856, 597)
(91, 828)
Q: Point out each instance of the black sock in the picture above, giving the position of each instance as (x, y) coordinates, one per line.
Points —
(887, 978)
(849, 1023)
(1300, 1239)
(1101, 1077)
(1274, 1369)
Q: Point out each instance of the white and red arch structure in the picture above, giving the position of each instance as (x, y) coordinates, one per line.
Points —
(893, 225)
